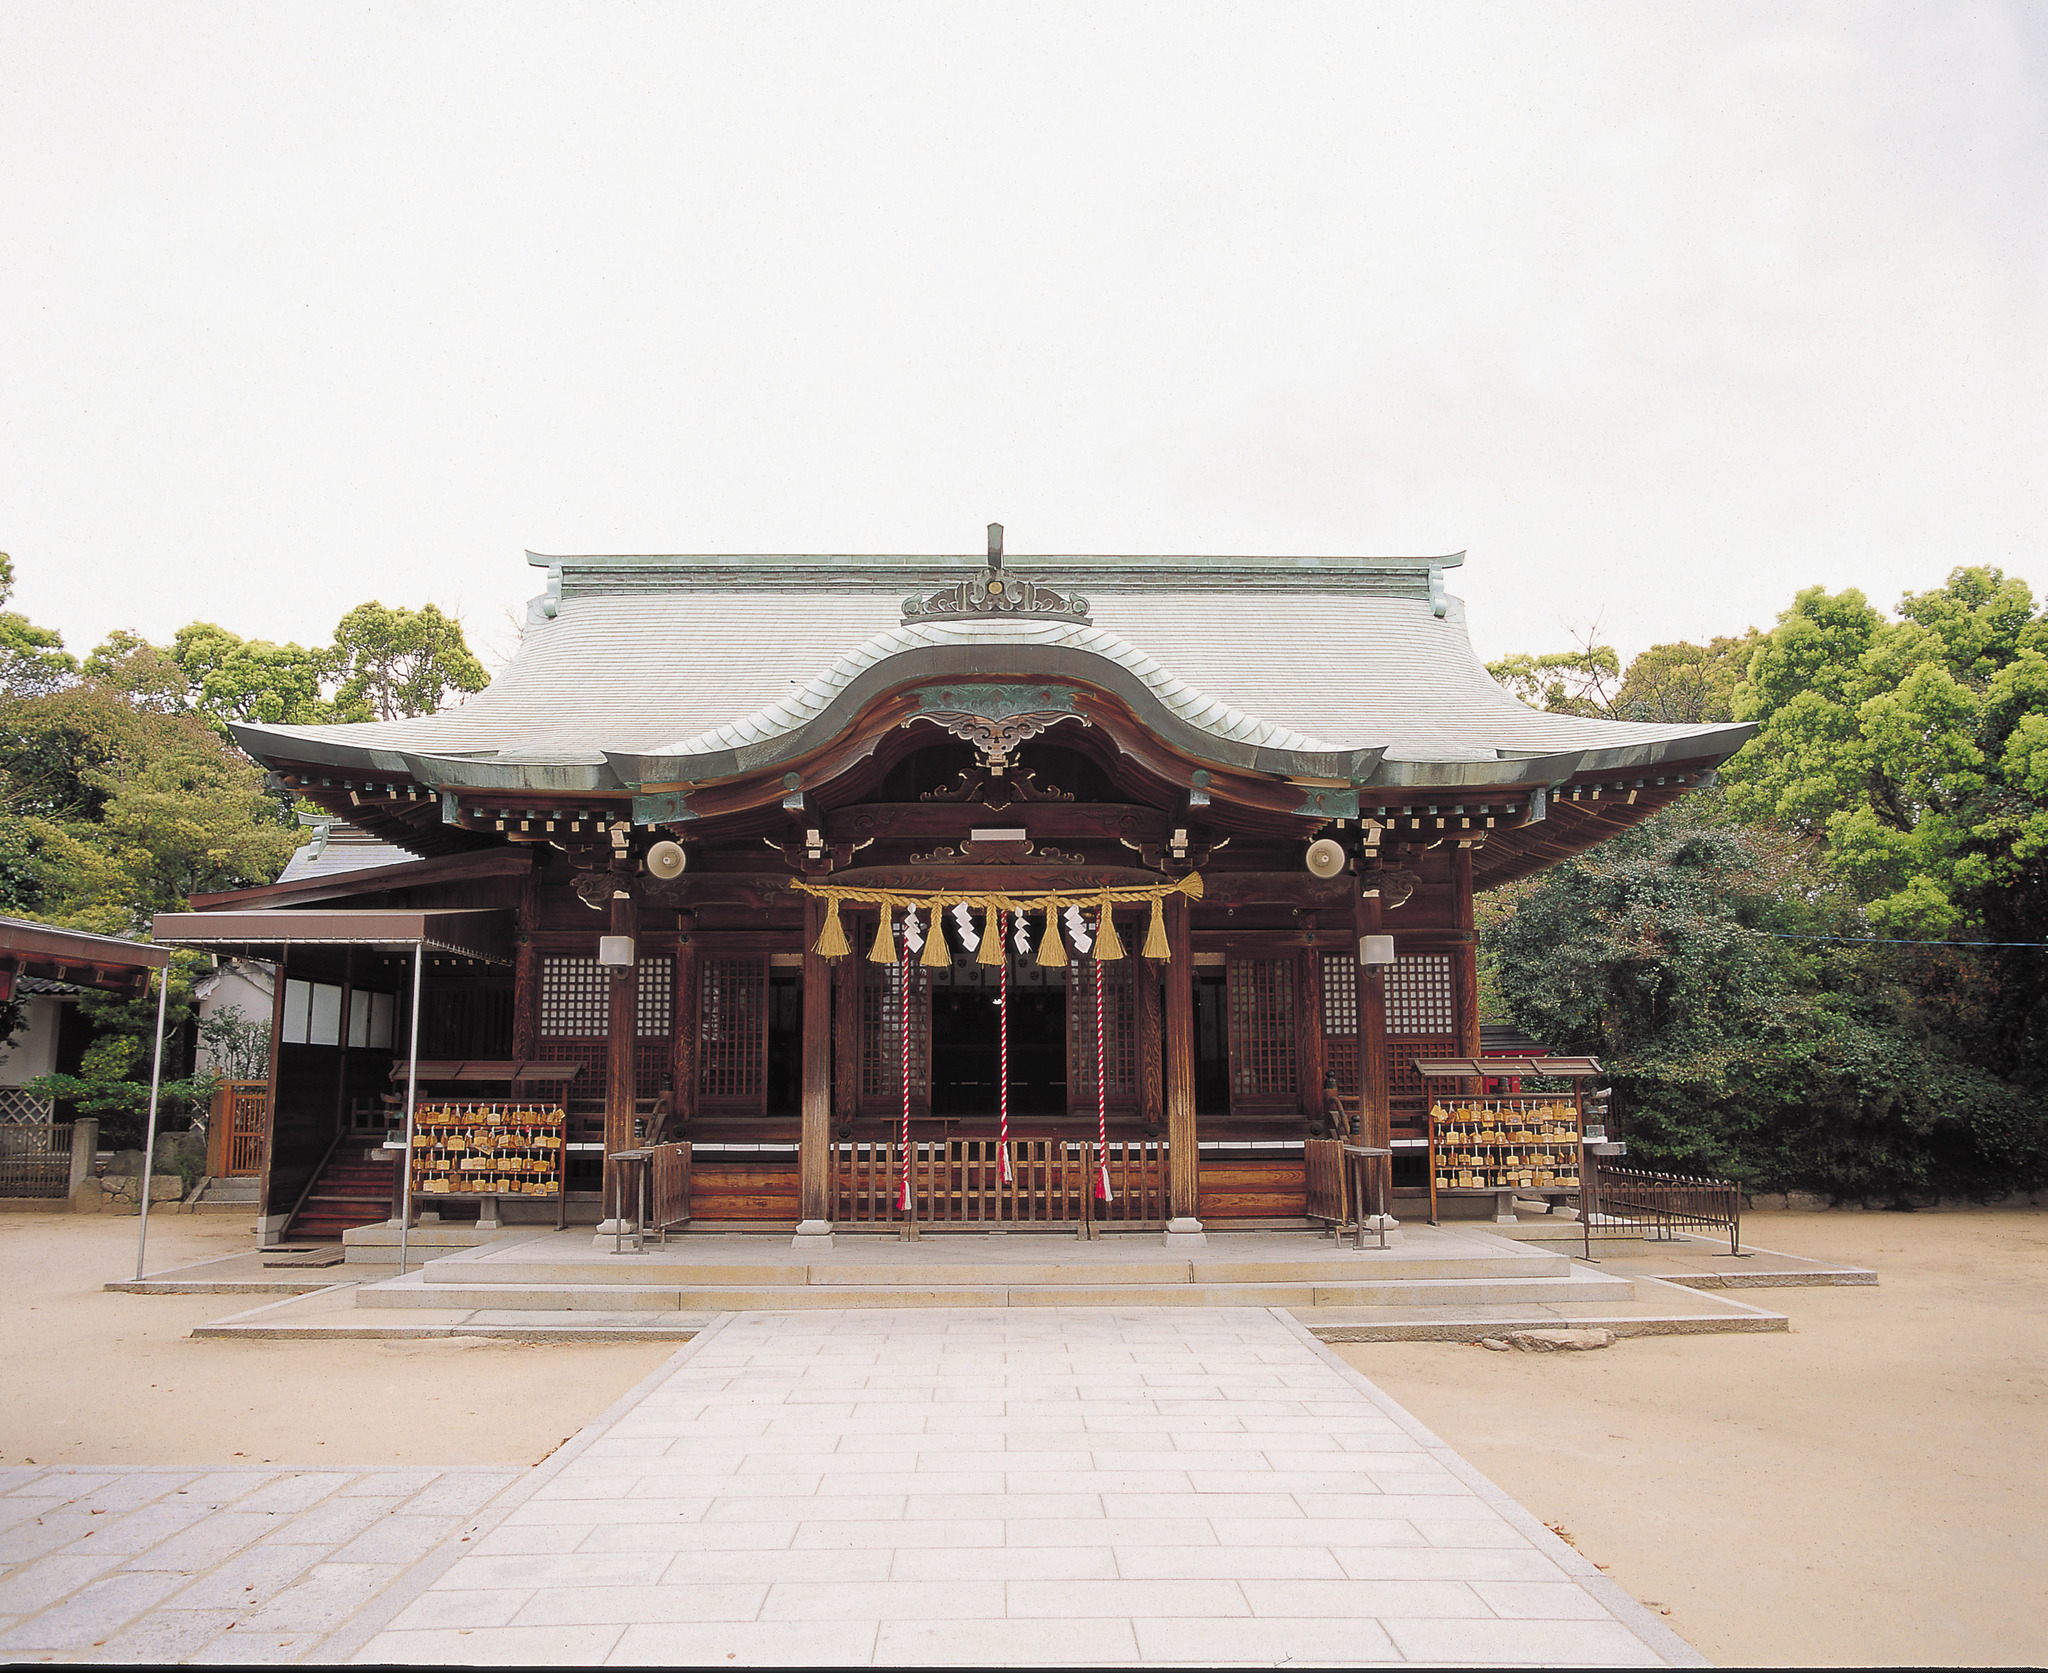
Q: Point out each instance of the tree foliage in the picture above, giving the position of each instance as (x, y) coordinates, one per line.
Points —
(122, 794)
(1862, 1071)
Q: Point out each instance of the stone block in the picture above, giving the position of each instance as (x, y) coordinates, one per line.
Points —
(1555, 1341)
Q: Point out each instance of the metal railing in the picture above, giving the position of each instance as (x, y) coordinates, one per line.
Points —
(35, 1161)
(1636, 1203)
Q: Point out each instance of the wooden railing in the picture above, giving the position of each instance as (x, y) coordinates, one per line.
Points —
(671, 1188)
(1323, 1161)
(958, 1182)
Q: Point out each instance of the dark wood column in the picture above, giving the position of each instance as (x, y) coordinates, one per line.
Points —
(1151, 1046)
(348, 985)
(846, 1028)
(689, 997)
(526, 971)
(619, 1086)
(814, 1205)
(1464, 963)
(1373, 1106)
(1183, 1160)
(270, 1096)
(1308, 1028)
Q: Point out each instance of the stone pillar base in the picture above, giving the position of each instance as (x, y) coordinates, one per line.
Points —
(813, 1234)
(487, 1215)
(1186, 1233)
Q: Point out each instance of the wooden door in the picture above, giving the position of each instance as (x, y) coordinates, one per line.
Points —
(1119, 1018)
(1421, 1022)
(881, 1039)
(1265, 1063)
(732, 1034)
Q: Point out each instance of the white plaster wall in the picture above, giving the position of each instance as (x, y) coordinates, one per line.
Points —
(243, 986)
(33, 1050)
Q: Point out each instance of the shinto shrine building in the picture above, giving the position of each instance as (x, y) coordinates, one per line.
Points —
(634, 856)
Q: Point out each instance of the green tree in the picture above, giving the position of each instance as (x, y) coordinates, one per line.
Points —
(1866, 1072)
(253, 680)
(393, 663)
(1580, 681)
(1685, 684)
(1911, 748)
(32, 659)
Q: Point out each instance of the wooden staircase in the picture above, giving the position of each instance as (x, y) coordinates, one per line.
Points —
(349, 1192)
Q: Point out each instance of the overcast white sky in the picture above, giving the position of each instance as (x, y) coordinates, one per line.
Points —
(1662, 311)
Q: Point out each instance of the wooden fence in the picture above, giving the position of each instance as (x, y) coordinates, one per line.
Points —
(958, 1182)
(234, 1137)
(1323, 1163)
(35, 1161)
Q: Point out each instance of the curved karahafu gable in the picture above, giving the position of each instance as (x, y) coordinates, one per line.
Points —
(693, 669)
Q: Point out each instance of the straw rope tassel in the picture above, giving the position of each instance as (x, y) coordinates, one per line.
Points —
(1052, 951)
(903, 1012)
(1003, 1069)
(1107, 946)
(832, 942)
(1155, 932)
(992, 936)
(884, 949)
(937, 955)
(1102, 1193)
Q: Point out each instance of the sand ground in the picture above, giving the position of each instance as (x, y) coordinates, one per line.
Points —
(1870, 1489)
(93, 1377)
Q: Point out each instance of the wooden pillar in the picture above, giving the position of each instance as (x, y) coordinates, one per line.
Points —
(1183, 1159)
(1151, 1045)
(526, 971)
(269, 1098)
(1464, 964)
(620, 1091)
(846, 1027)
(348, 982)
(684, 1084)
(814, 1141)
(1375, 1110)
(1308, 1028)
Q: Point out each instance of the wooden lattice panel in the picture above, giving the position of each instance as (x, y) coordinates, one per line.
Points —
(881, 1036)
(575, 998)
(732, 1054)
(1262, 1050)
(1119, 1032)
(1340, 994)
(1419, 1004)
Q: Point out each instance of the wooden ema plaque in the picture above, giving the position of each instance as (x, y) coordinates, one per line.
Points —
(487, 1150)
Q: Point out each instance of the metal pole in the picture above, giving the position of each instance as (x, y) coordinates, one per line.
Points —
(412, 1081)
(156, 1074)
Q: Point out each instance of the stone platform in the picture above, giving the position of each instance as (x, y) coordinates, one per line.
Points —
(1440, 1284)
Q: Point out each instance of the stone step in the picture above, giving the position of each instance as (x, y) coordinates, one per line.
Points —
(662, 1270)
(414, 1291)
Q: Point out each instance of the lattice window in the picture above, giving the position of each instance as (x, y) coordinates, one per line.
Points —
(1119, 1031)
(1262, 1060)
(24, 1109)
(654, 998)
(881, 1034)
(1340, 994)
(1419, 996)
(575, 998)
(733, 1028)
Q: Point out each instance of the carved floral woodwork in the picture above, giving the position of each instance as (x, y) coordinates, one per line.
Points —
(995, 719)
(994, 592)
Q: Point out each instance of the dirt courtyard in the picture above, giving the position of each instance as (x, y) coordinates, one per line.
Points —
(1869, 1489)
(97, 1377)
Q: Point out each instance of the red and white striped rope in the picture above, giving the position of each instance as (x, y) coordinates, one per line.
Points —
(1003, 1070)
(903, 1010)
(1102, 1193)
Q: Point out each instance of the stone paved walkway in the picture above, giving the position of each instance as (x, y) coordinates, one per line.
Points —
(1090, 1485)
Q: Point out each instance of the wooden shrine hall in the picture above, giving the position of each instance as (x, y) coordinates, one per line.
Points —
(932, 888)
